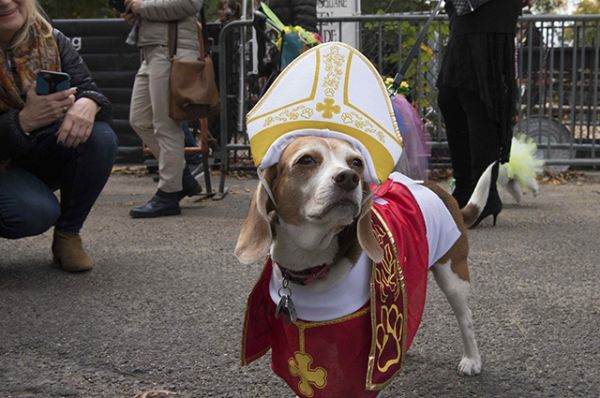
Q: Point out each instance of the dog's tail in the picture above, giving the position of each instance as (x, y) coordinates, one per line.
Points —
(477, 202)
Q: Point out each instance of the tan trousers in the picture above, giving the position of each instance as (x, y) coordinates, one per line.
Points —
(149, 115)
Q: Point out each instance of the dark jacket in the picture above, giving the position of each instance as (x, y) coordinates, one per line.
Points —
(496, 16)
(296, 12)
(13, 141)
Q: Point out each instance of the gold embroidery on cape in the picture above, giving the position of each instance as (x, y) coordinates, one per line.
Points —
(389, 325)
(389, 331)
(328, 108)
(289, 115)
(386, 276)
(300, 366)
(333, 68)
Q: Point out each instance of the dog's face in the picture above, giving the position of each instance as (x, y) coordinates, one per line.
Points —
(319, 189)
(319, 181)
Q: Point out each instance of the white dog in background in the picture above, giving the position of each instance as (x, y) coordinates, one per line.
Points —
(521, 172)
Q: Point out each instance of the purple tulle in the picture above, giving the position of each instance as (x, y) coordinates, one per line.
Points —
(414, 161)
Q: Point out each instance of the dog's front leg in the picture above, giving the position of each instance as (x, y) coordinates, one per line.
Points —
(457, 292)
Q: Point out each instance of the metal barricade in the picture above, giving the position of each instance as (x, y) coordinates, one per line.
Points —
(558, 72)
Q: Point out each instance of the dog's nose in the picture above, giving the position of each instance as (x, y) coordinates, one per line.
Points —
(347, 179)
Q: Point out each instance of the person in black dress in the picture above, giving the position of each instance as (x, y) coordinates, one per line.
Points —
(477, 94)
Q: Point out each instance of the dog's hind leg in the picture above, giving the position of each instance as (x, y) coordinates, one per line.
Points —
(456, 286)
(514, 188)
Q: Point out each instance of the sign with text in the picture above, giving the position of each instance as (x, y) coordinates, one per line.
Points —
(346, 32)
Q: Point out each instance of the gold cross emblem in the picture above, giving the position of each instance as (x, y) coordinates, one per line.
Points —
(328, 108)
(299, 366)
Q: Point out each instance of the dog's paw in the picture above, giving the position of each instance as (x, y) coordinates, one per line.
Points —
(469, 366)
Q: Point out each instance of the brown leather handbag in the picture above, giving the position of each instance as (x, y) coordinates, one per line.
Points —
(193, 89)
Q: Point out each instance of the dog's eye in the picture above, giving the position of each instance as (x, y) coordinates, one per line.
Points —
(356, 162)
(306, 160)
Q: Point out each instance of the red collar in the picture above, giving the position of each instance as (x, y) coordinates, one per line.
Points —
(306, 276)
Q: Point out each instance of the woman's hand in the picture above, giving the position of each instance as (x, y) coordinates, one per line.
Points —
(129, 17)
(133, 6)
(42, 110)
(78, 123)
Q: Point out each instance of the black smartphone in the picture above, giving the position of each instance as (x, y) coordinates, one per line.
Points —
(118, 5)
(48, 82)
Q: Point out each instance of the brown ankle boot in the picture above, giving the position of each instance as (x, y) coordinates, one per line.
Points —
(69, 254)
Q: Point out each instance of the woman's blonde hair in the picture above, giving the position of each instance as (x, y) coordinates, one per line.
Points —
(32, 15)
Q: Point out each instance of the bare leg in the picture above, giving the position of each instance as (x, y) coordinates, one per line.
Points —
(457, 292)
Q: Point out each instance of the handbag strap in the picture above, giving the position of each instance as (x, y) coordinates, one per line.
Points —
(202, 35)
(201, 40)
(172, 38)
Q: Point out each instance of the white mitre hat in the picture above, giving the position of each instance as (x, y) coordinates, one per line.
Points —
(330, 90)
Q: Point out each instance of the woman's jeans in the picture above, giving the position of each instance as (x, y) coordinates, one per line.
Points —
(28, 205)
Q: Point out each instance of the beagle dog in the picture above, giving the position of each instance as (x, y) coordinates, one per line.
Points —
(312, 215)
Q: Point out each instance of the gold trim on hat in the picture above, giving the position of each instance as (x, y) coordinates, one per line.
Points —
(311, 97)
(380, 156)
(398, 137)
(328, 108)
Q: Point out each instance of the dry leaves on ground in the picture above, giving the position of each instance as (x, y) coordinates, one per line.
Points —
(153, 394)
(551, 177)
(130, 170)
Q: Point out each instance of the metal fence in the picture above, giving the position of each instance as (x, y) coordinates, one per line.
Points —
(558, 68)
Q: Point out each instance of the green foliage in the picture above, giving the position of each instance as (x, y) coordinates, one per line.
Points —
(591, 31)
(588, 7)
(547, 6)
(395, 36)
(210, 10)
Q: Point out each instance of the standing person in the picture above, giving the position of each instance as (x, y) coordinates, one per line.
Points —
(149, 113)
(49, 142)
(228, 10)
(477, 94)
(296, 12)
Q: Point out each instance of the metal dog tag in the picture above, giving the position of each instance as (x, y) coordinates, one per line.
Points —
(281, 307)
(290, 314)
(286, 305)
(287, 309)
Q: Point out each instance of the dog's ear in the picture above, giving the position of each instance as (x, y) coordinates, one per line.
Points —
(256, 236)
(366, 237)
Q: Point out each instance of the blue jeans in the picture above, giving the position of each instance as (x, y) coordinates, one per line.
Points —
(28, 205)
(190, 141)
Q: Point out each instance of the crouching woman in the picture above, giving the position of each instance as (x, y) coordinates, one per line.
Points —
(59, 141)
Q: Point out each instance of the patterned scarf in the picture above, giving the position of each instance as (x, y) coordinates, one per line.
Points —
(39, 51)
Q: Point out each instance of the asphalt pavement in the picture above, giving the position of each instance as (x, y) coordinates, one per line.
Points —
(163, 309)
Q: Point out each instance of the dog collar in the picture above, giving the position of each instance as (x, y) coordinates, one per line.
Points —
(306, 276)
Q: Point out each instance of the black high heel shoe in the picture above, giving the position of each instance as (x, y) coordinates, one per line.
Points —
(462, 196)
(493, 207)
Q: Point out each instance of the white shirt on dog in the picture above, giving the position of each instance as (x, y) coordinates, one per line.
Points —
(442, 231)
(352, 292)
(349, 295)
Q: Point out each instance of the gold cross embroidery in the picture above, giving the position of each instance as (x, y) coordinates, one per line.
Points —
(299, 366)
(328, 108)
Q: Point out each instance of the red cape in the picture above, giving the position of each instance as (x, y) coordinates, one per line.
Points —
(358, 354)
